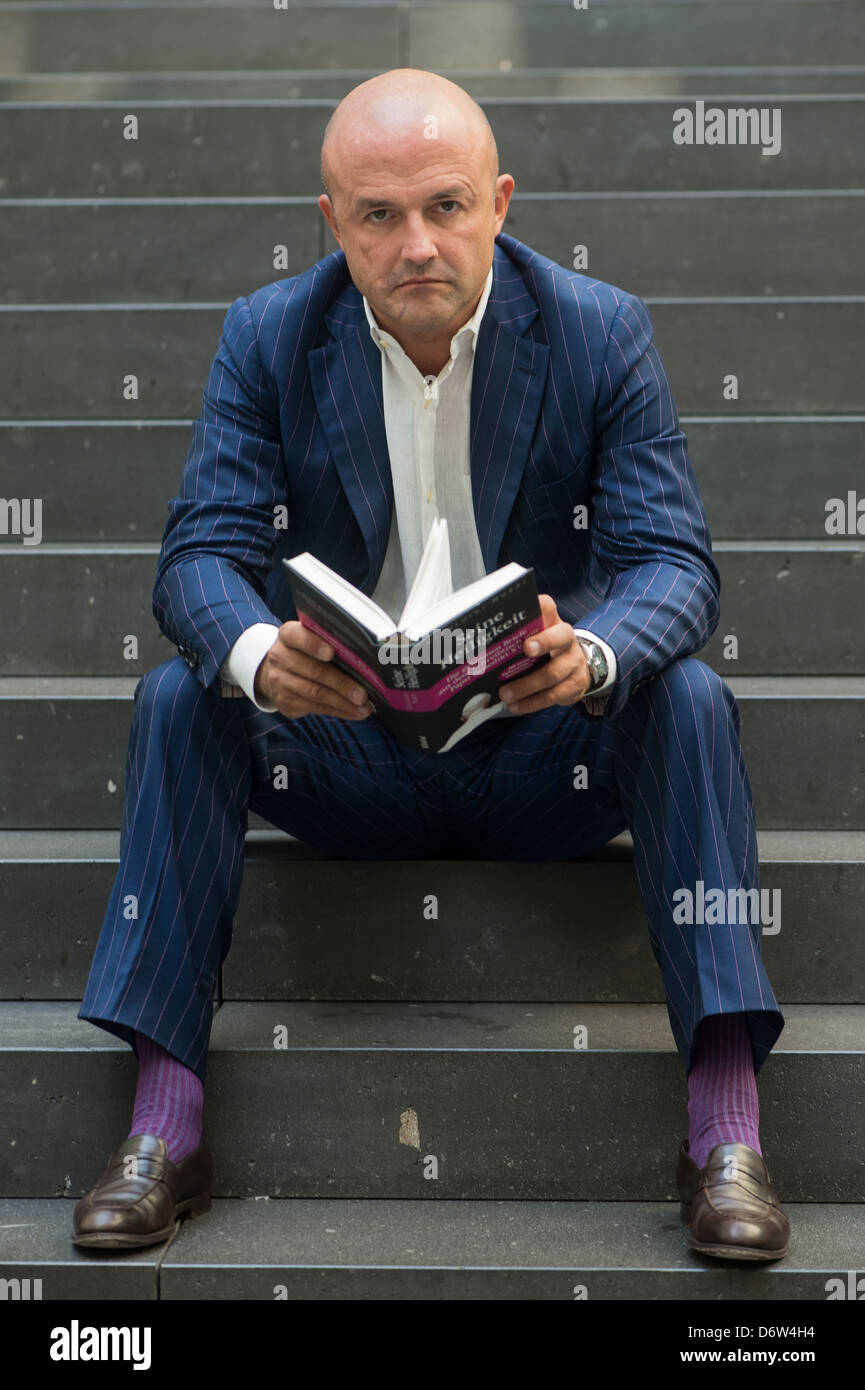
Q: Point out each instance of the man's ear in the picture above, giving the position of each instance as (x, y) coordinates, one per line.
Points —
(330, 216)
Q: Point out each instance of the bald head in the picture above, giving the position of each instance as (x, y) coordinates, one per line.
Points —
(415, 200)
(398, 106)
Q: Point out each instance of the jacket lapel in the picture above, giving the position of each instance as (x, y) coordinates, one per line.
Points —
(510, 372)
(346, 382)
(507, 387)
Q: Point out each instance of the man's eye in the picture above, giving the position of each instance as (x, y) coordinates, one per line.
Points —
(445, 202)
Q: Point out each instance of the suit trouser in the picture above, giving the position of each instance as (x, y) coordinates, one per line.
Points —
(668, 767)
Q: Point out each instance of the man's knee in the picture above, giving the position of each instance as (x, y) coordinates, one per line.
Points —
(689, 685)
(170, 687)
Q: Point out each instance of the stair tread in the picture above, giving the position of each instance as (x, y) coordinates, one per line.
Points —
(583, 83)
(11, 546)
(37, 1026)
(793, 846)
(434, 1233)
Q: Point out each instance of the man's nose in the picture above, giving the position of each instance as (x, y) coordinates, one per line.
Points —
(418, 246)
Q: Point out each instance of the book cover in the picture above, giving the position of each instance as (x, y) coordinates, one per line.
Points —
(431, 691)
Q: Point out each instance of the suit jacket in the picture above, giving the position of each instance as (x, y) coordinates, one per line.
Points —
(570, 408)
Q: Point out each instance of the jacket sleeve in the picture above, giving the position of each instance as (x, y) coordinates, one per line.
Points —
(218, 543)
(649, 529)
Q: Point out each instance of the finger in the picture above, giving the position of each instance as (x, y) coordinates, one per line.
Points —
(293, 686)
(295, 707)
(555, 638)
(296, 662)
(551, 673)
(299, 638)
(567, 692)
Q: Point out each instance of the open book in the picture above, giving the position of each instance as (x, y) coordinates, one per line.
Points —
(433, 674)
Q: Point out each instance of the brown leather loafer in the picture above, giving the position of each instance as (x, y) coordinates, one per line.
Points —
(730, 1206)
(141, 1194)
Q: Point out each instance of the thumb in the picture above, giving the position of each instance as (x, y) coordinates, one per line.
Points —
(549, 611)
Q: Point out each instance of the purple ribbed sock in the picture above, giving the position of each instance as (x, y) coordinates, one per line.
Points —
(722, 1088)
(169, 1100)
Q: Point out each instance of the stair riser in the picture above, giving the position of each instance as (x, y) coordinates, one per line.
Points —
(603, 146)
(59, 759)
(337, 930)
(113, 482)
(100, 1281)
(692, 1286)
(437, 36)
(502, 1125)
(686, 246)
(77, 614)
(767, 346)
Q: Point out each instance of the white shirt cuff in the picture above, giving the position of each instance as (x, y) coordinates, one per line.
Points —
(240, 666)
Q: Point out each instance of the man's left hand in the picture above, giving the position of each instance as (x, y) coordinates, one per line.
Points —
(563, 680)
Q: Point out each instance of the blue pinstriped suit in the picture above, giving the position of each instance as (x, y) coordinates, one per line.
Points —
(570, 405)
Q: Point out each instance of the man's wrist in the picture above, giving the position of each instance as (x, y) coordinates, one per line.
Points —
(585, 635)
(243, 662)
(260, 690)
(596, 663)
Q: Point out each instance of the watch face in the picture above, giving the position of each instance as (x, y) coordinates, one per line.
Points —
(597, 664)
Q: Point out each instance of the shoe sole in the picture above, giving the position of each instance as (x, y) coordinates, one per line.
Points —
(738, 1252)
(729, 1252)
(116, 1240)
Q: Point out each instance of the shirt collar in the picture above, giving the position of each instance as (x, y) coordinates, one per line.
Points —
(471, 327)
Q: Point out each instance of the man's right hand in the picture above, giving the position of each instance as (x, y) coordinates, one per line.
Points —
(297, 677)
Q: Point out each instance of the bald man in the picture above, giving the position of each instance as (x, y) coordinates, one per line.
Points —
(434, 366)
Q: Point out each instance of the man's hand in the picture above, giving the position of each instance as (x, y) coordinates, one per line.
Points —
(295, 676)
(563, 680)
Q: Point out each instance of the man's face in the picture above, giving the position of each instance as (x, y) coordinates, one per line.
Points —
(426, 213)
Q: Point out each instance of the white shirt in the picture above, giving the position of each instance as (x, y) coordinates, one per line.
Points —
(427, 427)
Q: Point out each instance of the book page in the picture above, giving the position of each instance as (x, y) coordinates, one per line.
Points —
(433, 581)
(343, 593)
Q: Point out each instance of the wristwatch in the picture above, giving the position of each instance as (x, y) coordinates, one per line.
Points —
(596, 662)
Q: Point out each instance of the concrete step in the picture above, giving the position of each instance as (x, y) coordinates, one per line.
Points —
(72, 39)
(200, 148)
(175, 250)
(527, 35)
(36, 1249)
(312, 927)
(697, 244)
(74, 609)
(104, 252)
(63, 747)
(502, 1100)
(735, 85)
(411, 1249)
(111, 480)
(790, 356)
(501, 35)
